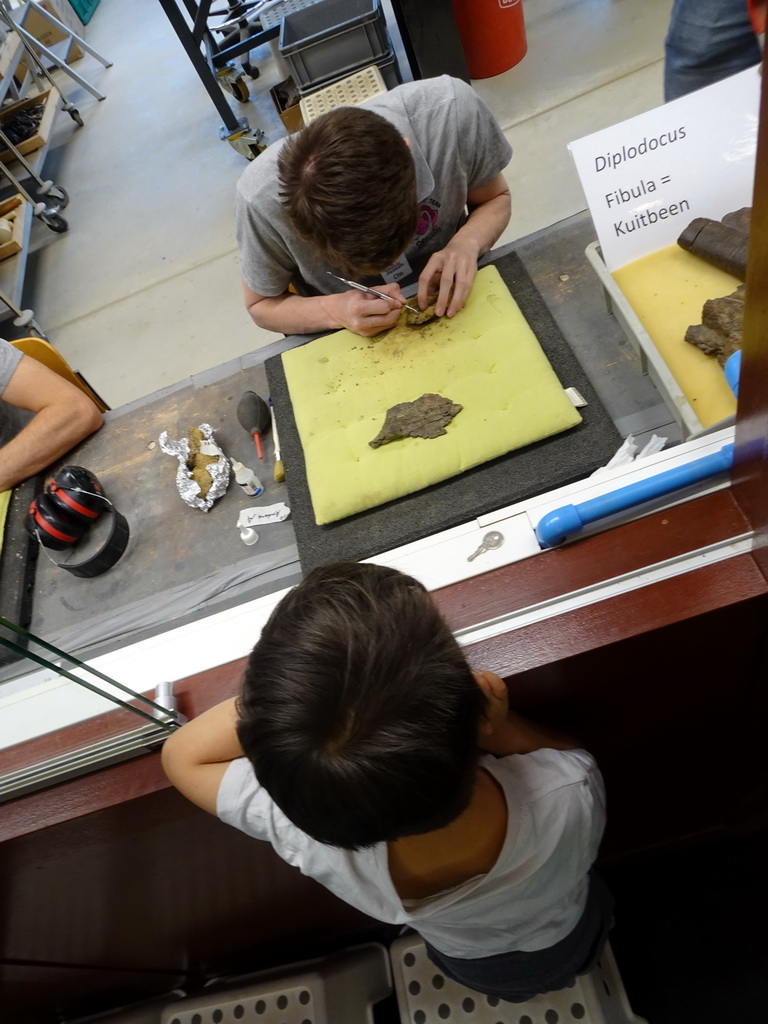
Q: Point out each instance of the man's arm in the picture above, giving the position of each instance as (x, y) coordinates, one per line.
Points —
(504, 732)
(196, 756)
(455, 266)
(64, 415)
(359, 312)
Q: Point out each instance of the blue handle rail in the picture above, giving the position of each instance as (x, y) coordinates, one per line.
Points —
(732, 370)
(564, 522)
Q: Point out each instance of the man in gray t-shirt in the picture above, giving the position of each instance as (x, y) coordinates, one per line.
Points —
(379, 194)
(42, 416)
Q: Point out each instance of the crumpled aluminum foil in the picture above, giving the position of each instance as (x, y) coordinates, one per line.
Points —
(187, 487)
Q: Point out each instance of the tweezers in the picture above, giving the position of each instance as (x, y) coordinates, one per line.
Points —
(371, 291)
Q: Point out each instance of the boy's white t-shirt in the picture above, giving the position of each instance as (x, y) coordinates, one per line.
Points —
(533, 896)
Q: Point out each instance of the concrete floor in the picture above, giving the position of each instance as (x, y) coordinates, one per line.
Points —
(144, 288)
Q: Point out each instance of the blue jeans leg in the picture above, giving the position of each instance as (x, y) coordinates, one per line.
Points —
(707, 40)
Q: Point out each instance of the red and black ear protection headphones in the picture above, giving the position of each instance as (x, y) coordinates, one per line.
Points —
(71, 502)
(77, 492)
(50, 525)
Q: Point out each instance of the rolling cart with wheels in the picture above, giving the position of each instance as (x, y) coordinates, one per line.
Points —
(22, 160)
(50, 215)
(215, 60)
(51, 198)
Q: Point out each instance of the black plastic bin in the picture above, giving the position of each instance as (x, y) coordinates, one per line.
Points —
(332, 38)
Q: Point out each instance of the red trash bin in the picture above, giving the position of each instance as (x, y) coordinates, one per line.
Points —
(492, 35)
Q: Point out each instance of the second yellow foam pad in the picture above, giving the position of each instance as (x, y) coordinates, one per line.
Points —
(667, 291)
(486, 358)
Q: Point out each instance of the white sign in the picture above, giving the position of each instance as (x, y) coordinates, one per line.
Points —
(647, 178)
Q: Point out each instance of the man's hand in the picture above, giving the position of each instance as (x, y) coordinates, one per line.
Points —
(357, 311)
(368, 315)
(455, 266)
(450, 272)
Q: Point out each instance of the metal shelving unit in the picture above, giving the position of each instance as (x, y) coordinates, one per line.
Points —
(24, 65)
(13, 269)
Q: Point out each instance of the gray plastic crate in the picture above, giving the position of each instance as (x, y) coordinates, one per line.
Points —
(331, 39)
(387, 67)
(274, 12)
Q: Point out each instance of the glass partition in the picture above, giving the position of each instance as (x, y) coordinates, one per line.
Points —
(129, 723)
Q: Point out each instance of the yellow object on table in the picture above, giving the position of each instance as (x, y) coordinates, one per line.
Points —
(667, 291)
(486, 358)
(5, 500)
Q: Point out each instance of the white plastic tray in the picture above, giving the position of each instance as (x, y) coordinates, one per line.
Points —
(650, 358)
(349, 91)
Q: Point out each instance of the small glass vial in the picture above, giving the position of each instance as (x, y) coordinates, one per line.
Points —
(247, 479)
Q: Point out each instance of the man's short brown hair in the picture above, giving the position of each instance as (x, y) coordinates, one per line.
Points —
(348, 184)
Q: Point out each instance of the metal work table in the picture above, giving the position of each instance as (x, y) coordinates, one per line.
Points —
(182, 563)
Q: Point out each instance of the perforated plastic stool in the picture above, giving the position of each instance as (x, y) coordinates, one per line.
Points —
(341, 987)
(349, 92)
(426, 996)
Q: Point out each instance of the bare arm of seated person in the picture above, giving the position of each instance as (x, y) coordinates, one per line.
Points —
(357, 311)
(196, 756)
(455, 266)
(504, 732)
(64, 415)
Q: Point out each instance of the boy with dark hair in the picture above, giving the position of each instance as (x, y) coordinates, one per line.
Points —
(406, 187)
(370, 756)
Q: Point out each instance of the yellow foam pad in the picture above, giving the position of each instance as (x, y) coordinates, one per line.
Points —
(486, 358)
(667, 291)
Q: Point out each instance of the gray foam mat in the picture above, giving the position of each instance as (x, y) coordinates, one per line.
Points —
(553, 462)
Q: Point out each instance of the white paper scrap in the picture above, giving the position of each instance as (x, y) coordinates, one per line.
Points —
(260, 516)
(628, 452)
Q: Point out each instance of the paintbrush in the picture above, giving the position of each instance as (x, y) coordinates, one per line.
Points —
(279, 471)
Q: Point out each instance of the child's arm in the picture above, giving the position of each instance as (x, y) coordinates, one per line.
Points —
(196, 756)
(505, 732)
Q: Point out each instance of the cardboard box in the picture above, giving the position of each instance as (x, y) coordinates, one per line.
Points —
(50, 99)
(48, 34)
(13, 210)
(282, 94)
